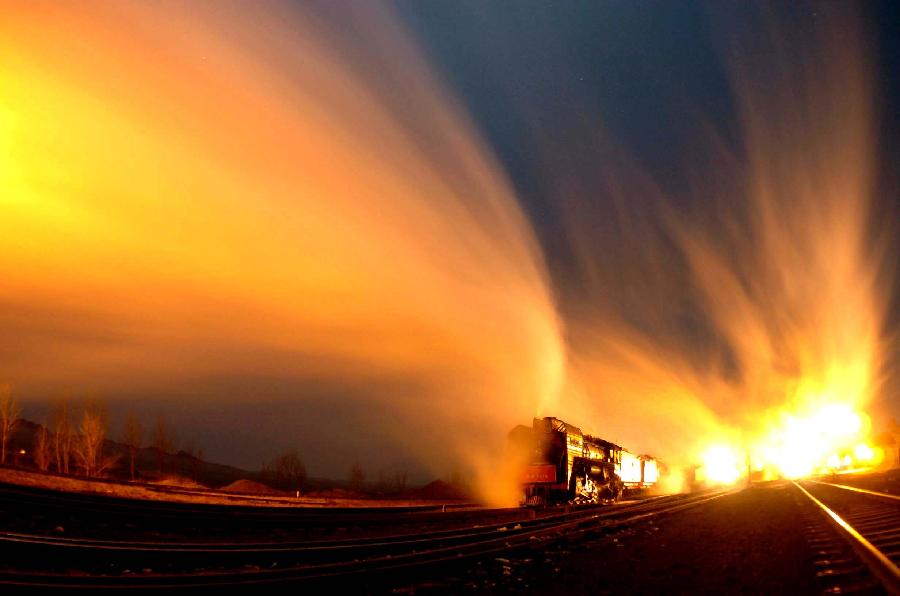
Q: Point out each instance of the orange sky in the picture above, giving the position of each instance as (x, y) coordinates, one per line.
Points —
(183, 200)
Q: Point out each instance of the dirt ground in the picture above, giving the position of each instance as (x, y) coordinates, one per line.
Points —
(751, 542)
(179, 492)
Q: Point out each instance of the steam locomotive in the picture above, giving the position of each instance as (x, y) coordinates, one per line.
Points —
(565, 465)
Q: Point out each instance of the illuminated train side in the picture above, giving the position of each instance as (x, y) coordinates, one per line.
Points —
(562, 464)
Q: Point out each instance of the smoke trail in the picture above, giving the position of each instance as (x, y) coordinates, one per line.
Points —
(762, 294)
(199, 193)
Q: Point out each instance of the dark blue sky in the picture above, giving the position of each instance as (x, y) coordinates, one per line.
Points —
(635, 69)
(579, 84)
(650, 73)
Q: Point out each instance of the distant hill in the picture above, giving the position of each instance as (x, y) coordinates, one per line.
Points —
(438, 490)
(147, 462)
(192, 469)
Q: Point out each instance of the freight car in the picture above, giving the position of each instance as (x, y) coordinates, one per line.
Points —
(562, 464)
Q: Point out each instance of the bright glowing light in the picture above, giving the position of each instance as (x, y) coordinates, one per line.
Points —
(721, 465)
(795, 464)
(864, 453)
(837, 420)
(821, 440)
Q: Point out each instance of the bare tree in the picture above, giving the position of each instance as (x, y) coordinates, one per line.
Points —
(357, 476)
(391, 483)
(196, 464)
(134, 436)
(287, 470)
(186, 457)
(63, 436)
(9, 415)
(43, 449)
(400, 482)
(456, 477)
(192, 461)
(163, 440)
(89, 443)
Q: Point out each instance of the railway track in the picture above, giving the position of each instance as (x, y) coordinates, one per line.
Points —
(33, 510)
(110, 565)
(855, 536)
(24, 547)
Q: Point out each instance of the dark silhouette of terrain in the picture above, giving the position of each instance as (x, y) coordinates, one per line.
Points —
(187, 469)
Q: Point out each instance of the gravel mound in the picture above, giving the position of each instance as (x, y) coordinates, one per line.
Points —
(438, 490)
(250, 487)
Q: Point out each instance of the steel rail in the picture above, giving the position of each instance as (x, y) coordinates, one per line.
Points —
(23, 546)
(356, 570)
(86, 513)
(93, 514)
(14, 495)
(881, 567)
(869, 493)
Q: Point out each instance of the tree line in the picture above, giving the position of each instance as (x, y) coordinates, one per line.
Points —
(73, 437)
(72, 440)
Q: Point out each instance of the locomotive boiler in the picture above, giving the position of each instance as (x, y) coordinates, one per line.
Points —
(562, 464)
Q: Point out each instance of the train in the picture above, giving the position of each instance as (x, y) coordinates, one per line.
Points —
(562, 465)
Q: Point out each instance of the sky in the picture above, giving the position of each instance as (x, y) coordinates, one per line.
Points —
(389, 233)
